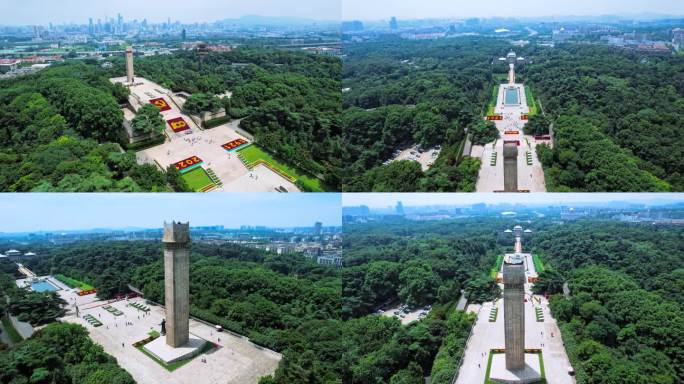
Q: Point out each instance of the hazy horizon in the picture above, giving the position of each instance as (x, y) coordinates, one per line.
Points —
(382, 200)
(73, 211)
(443, 9)
(39, 12)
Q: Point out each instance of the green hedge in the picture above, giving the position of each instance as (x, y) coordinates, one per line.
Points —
(140, 145)
(216, 122)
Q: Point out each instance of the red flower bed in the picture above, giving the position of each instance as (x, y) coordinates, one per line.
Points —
(189, 162)
(160, 103)
(88, 292)
(234, 144)
(495, 117)
(178, 124)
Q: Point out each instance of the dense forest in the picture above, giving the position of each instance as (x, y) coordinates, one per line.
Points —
(624, 319)
(60, 354)
(418, 264)
(289, 101)
(398, 93)
(617, 117)
(58, 130)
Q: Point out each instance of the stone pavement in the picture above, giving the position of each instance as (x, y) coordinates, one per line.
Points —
(488, 335)
(235, 361)
(205, 144)
(530, 177)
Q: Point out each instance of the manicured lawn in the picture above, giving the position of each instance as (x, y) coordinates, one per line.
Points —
(252, 153)
(197, 179)
(489, 368)
(531, 103)
(11, 331)
(492, 101)
(73, 283)
(497, 268)
(538, 265)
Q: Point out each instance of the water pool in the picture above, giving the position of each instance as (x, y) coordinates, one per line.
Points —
(511, 96)
(43, 286)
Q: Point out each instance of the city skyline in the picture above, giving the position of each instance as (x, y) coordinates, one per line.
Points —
(35, 12)
(72, 211)
(407, 9)
(383, 200)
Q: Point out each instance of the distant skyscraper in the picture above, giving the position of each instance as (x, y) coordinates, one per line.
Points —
(399, 208)
(393, 24)
(352, 26)
(119, 23)
(318, 228)
(91, 27)
(183, 35)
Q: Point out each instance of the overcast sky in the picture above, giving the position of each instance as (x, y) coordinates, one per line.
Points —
(420, 199)
(66, 211)
(417, 9)
(41, 12)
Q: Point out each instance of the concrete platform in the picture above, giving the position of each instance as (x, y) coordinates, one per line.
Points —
(168, 354)
(530, 374)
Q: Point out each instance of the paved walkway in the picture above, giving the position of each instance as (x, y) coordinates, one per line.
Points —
(530, 177)
(487, 335)
(205, 144)
(236, 361)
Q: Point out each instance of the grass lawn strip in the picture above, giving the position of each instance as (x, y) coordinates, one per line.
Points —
(531, 103)
(73, 283)
(197, 179)
(12, 332)
(252, 156)
(538, 265)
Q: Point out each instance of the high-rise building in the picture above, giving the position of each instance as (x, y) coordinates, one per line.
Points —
(399, 209)
(91, 27)
(318, 228)
(678, 36)
(352, 26)
(183, 35)
(393, 24)
(119, 23)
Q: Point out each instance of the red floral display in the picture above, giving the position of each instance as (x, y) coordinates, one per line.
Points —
(161, 104)
(178, 124)
(187, 163)
(234, 144)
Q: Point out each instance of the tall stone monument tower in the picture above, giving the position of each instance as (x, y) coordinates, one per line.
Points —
(176, 282)
(514, 311)
(129, 65)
